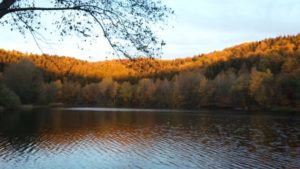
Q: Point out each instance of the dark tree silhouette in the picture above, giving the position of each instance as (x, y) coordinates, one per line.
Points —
(128, 25)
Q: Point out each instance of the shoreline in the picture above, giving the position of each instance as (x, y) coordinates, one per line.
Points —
(31, 107)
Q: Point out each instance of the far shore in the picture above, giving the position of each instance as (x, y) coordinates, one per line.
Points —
(30, 107)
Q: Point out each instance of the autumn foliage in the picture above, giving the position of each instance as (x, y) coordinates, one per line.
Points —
(260, 74)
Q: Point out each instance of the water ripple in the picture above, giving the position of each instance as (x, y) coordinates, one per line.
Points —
(151, 140)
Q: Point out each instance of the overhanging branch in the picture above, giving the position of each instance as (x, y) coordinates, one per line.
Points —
(7, 11)
(125, 24)
(76, 8)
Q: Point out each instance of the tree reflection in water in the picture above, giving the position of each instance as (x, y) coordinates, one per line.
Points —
(151, 139)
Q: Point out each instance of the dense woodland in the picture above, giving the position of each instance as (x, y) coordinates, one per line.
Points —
(261, 74)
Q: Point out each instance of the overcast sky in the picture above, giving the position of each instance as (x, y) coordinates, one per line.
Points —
(200, 26)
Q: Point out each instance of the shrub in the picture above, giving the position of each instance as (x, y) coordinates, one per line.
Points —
(8, 99)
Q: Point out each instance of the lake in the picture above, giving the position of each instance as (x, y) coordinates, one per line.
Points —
(87, 138)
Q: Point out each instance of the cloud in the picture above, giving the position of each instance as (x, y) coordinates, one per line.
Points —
(205, 25)
(200, 26)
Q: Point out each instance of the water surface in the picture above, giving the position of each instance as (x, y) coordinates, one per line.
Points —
(125, 138)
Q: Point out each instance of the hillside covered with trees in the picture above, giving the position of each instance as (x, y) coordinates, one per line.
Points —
(261, 74)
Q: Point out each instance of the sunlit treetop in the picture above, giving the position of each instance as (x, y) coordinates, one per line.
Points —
(128, 25)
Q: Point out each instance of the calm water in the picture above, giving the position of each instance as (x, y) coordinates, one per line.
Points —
(113, 138)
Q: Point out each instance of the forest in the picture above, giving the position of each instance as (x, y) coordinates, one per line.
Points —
(257, 75)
